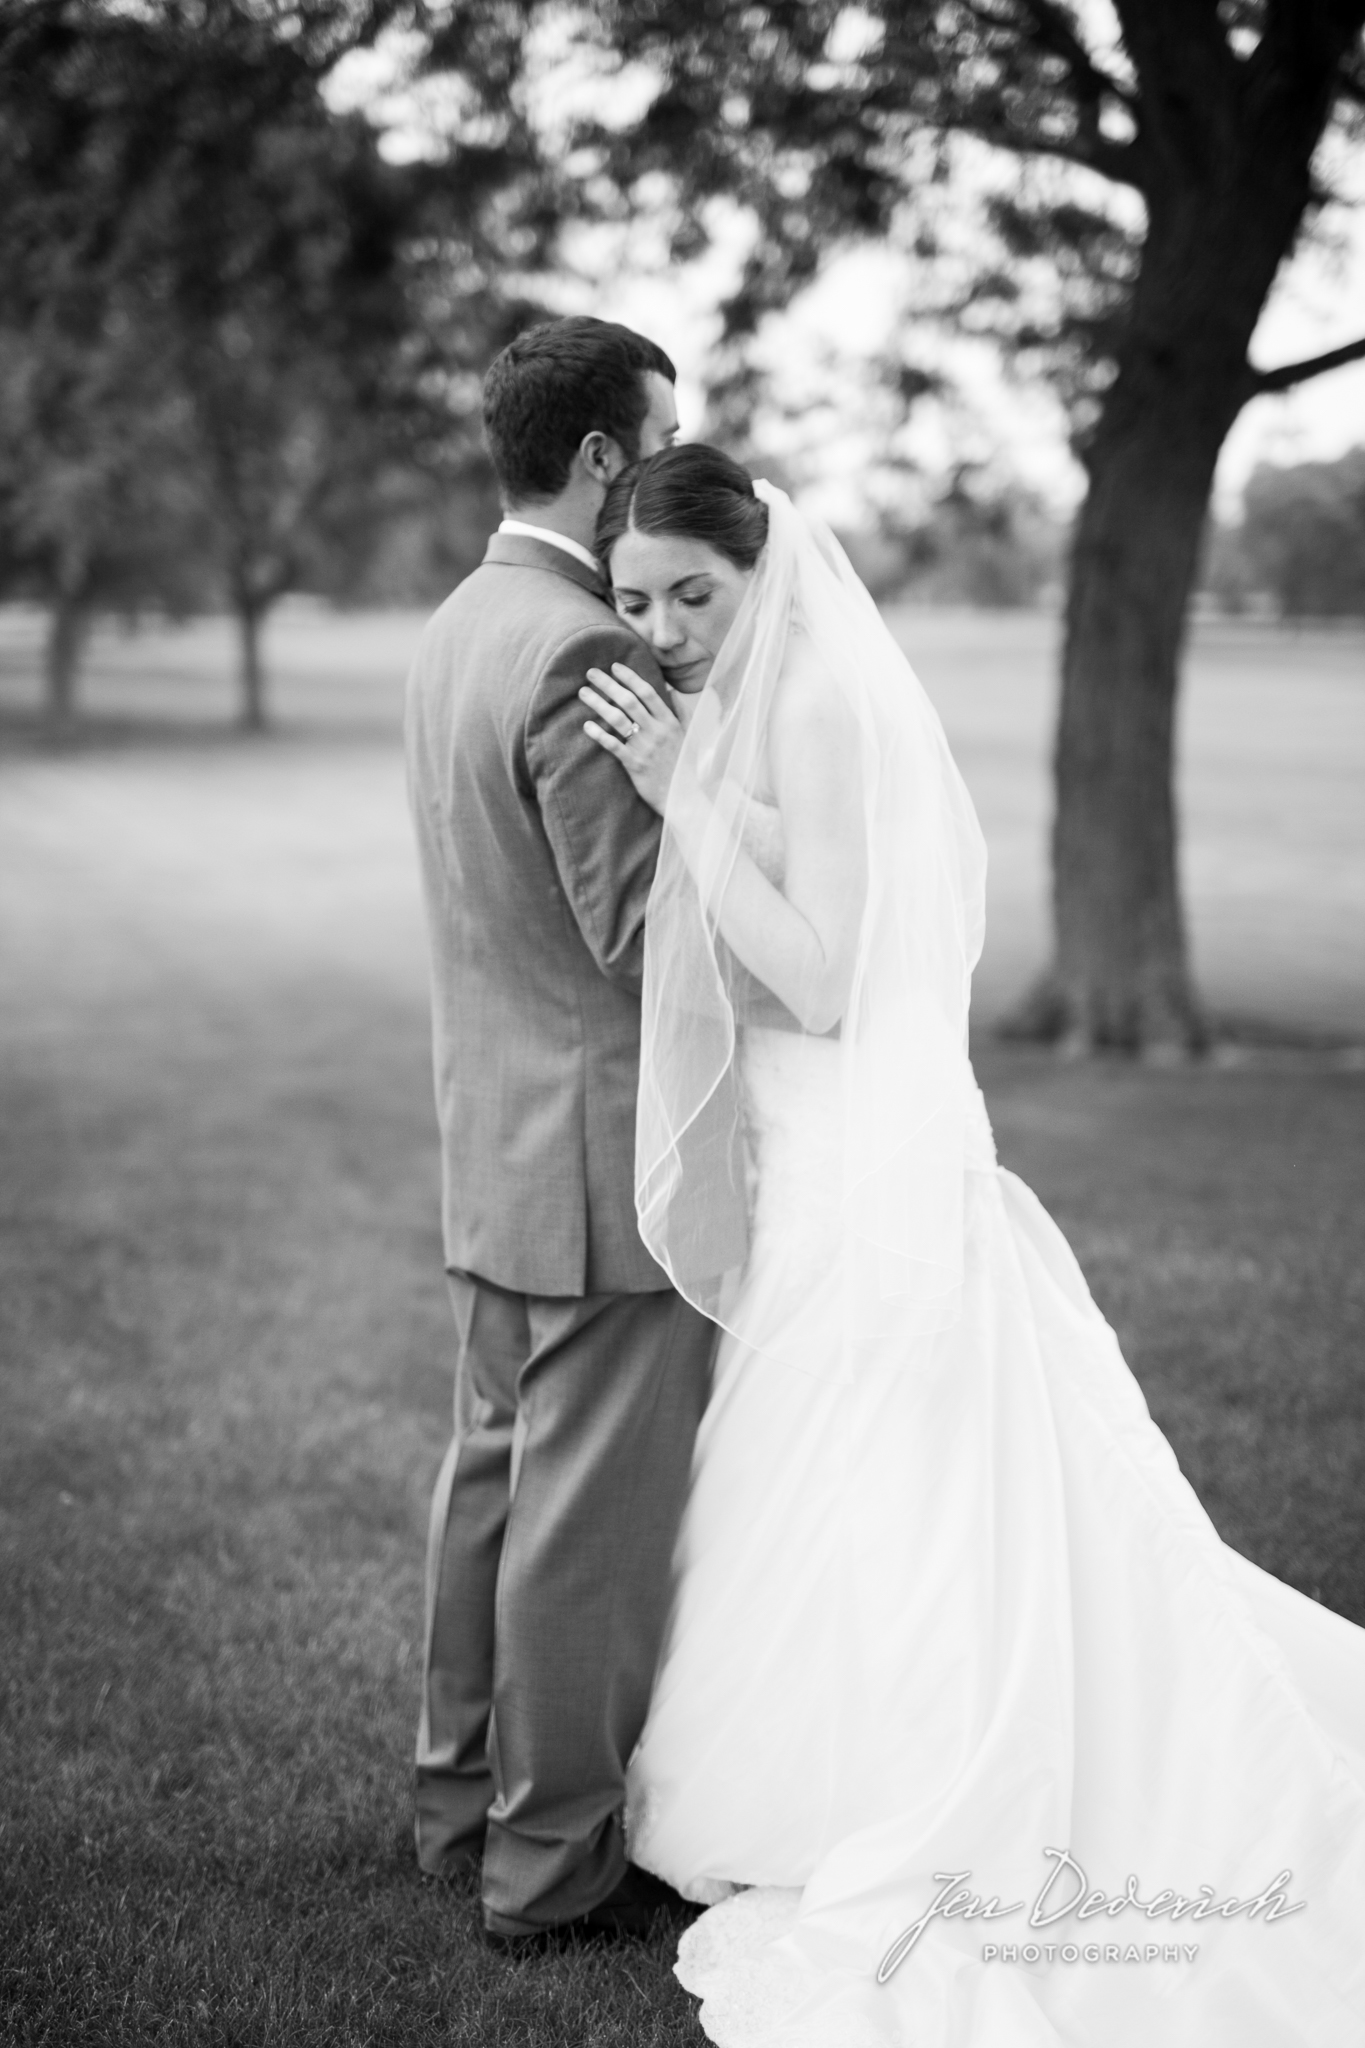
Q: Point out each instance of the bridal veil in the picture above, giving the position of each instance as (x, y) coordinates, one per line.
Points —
(887, 1183)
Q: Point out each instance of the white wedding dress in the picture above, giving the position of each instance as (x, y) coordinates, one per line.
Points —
(945, 1610)
(946, 1620)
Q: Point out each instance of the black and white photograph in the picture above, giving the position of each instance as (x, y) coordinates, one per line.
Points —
(682, 1024)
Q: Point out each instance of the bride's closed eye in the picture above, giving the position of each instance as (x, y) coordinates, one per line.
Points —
(631, 607)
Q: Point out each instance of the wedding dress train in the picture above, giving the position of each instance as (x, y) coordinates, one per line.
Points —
(957, 1621)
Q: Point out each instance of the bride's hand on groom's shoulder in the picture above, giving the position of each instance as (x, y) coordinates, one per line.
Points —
(633, 722)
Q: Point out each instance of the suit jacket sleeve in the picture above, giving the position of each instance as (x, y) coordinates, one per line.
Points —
(604, 837)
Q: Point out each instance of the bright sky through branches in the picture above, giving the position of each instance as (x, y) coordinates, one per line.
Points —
(827, 421)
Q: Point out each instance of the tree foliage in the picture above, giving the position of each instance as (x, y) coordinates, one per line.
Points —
(1302, 537)
(977, 540)
(832, 123)
(233, 332)
(93, 506)
(1166, 157)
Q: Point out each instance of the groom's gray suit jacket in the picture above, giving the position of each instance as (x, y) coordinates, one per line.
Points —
(537, 857)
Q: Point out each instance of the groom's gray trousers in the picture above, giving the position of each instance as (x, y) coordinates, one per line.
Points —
(548, 1582)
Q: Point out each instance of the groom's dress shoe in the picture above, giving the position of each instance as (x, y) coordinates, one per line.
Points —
(630, 1910)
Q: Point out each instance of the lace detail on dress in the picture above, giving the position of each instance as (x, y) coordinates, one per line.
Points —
(721, 1960)
(757, 1991)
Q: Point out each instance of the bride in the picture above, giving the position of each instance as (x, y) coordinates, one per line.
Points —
(969, 1732)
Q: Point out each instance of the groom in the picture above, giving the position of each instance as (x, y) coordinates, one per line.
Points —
(580, 1375)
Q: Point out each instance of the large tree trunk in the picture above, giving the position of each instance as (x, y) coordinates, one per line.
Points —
(1224, 206)
(251, 669)
(68, 629)
(1120, 976)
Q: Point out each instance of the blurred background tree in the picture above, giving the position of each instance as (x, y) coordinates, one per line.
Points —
(1303, 537)
(235, 341)
(279, 241)
(96, 507)
(1298, 551)
(981, 541)
(1165, 168)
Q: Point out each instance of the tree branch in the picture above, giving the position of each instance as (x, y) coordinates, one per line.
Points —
(1050, 32)
(1055, 31)
(1120, 162)
(1289, 374)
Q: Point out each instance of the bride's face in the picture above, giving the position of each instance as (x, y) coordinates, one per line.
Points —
(680, 596)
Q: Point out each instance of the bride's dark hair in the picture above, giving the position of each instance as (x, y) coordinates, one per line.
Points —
(693, 492)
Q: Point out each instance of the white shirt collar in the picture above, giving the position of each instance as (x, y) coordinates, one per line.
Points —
(557, 540)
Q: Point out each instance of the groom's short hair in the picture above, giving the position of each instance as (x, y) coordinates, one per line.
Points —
(557, 383)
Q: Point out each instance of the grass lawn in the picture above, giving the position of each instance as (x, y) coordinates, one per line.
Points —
(224, 1347)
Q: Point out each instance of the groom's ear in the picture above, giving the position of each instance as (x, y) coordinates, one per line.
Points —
(601, 457)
